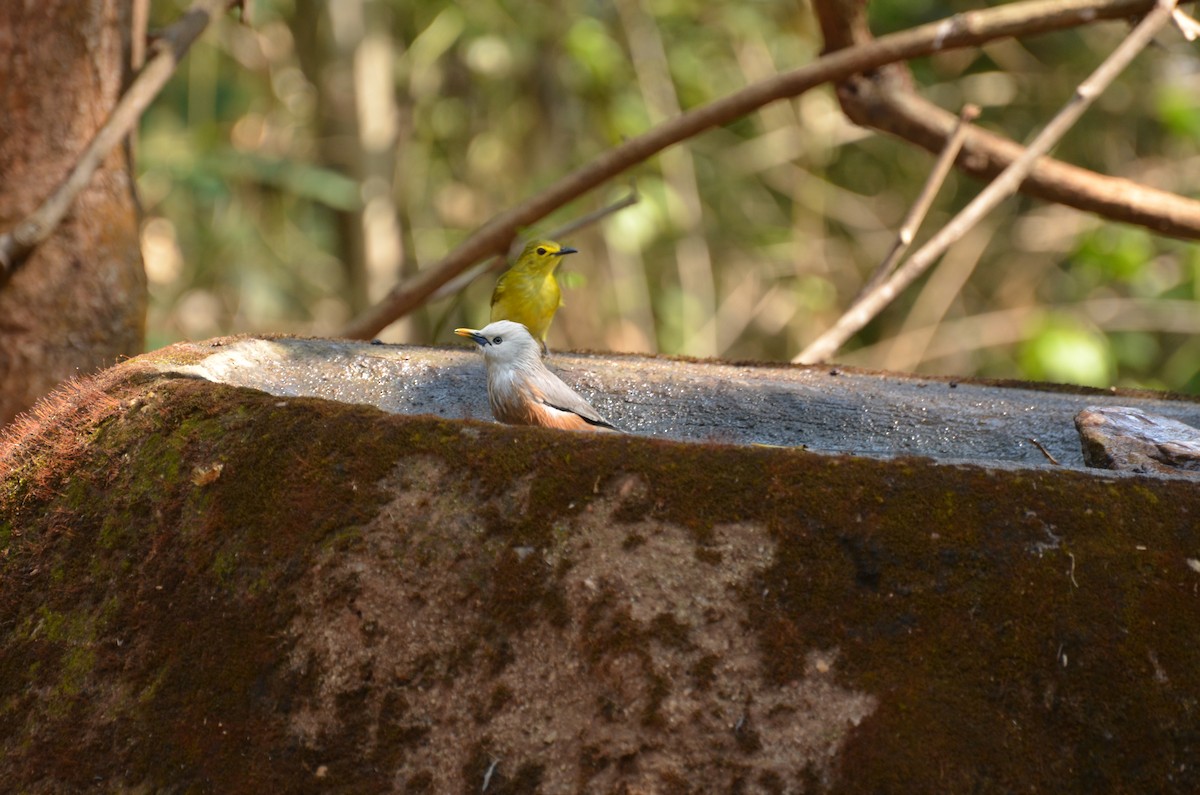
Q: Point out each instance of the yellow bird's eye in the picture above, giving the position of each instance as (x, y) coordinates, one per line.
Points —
(541, 251)
(496, 340)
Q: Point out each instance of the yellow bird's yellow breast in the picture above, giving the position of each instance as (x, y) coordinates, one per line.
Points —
(527, 293)
(530, 299)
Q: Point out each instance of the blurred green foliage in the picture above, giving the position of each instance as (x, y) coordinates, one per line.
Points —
(256, 170)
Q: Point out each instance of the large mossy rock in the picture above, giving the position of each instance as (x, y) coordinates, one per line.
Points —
(210, 588)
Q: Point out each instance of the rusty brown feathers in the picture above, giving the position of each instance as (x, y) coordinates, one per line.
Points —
(521, 390)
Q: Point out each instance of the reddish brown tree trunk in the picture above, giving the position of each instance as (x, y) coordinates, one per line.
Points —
(79, 301)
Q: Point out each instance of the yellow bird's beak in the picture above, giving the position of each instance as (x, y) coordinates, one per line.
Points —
(564, 251)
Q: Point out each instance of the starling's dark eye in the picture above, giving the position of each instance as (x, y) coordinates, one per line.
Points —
(497, 340)
(541, 251)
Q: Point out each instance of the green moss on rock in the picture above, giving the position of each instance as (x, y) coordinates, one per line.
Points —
(1019, 630)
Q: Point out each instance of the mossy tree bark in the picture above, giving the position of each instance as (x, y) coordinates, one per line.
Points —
(79, 301)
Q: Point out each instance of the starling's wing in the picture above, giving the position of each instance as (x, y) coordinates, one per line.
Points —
(549, 390)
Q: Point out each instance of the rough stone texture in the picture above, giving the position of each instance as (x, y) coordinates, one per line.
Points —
(833, 409)
(207, 588)
(1121, 437)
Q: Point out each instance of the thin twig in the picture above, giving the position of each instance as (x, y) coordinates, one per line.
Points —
(595, 216)
(139, 24)
(1187, 26)
(460, 281)
(1001, 188)
(496, 263)
(887, 102)
(963, 30)
(1045, 452)
(169, 48)
(1004, 327)
(916, 214)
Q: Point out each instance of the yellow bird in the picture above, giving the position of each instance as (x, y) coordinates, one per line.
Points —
(527, 293)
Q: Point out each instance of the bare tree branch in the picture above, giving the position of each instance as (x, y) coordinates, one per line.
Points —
(916, 213)
(170, 47)
(1004, 186)
(885, 101)
(962, 30)
(1187, 26)
(595, 216)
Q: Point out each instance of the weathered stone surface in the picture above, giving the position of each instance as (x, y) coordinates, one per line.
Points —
(835, 410)
(208, 588)
(1122, 437)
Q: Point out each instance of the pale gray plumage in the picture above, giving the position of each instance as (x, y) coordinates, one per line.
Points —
(521, 391)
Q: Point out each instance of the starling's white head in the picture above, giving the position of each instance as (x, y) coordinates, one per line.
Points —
(504, 342)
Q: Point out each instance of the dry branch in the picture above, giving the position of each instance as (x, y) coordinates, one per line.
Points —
(885, 101)
(1004, 186)
(170, 47)
(963, 30)
(920, 208)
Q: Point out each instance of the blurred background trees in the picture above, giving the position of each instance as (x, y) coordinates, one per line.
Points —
(299, 166)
